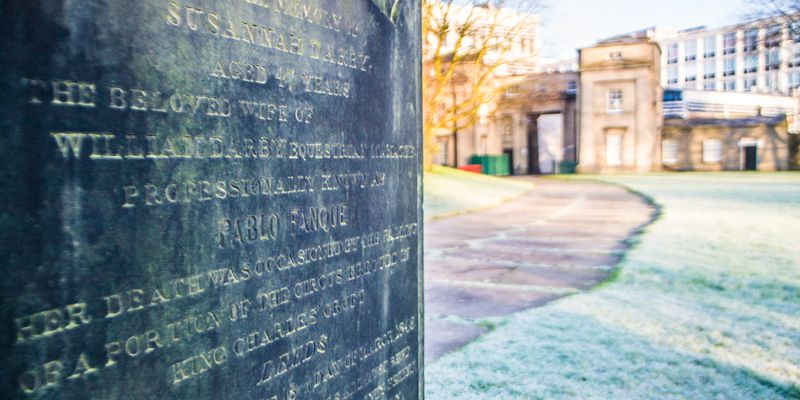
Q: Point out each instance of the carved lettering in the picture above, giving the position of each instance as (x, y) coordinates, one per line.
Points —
(248, 229)
(197, 20)
(292, 359)
(50, 322)
(241, 71)
(198, 364)
(315, 219)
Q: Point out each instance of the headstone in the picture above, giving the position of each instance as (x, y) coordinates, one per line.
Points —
(210, 199)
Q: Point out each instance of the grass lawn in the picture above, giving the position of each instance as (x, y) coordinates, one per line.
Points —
(705, 306)
(450, 191)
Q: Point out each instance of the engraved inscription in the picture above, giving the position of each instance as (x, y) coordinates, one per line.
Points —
(235, 212)
(49, 322)
(239, 29)
(316, 219)
(238, 70)
(248, 229)
(110, 147)
(312, 14)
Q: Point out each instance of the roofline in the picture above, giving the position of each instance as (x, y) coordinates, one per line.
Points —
(632, 41)
(734, 26)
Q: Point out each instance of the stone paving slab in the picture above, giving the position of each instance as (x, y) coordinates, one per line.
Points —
(471, 301)
(561, 238)
(553, 277)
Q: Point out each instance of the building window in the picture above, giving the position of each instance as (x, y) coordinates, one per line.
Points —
(730, 67)
(508, 132)
(613, 149)
(795, 60)
(729, 43)
(794, 30)
(507, 127)
(794, 80)
(710, 69)
(614, 103)
(672, 95)
(751, 40)
(572, 86)
(750, 84)
(483, 114)
(729, 85)
(710, 47)
(442, 156)
(712, 151)
(773, 36)
(669, 151)
(710, 86)
(615, 56)
(771, 83)
(672, 75)
(773, 60)
(437, 116)
(672, 53)
(527, 46)
(691, 72)
(690, 49)
(751, 64)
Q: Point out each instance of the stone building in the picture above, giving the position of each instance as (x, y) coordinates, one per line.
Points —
(619, 105)
(519, 56)
(533, 121)
(734, 144)
(628, 123)
(536, 121)
(642, 102)
(485, 132)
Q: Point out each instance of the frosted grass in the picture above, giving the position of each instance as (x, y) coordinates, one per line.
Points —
(706, 306)
(450, 191)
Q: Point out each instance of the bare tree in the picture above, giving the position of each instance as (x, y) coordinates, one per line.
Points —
(786, 11)
(465, 46)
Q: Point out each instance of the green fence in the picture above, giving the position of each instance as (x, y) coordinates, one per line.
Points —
(492, 164)
(567, 167)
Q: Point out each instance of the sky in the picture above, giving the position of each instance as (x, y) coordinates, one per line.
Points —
(570, 24)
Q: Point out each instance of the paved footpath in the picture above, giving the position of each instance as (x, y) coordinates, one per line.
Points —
(561, 238)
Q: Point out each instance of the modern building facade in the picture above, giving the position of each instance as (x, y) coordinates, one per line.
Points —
(692, 103)
(758, 57)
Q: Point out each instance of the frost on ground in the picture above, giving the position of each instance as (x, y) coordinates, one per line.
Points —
(706, 306)
(451, 191)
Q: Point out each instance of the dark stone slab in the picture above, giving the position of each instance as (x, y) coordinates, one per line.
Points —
(210, 199)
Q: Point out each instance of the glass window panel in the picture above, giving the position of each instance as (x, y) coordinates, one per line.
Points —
(712, 151)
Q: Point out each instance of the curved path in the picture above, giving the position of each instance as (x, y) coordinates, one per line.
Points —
(559, 239)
